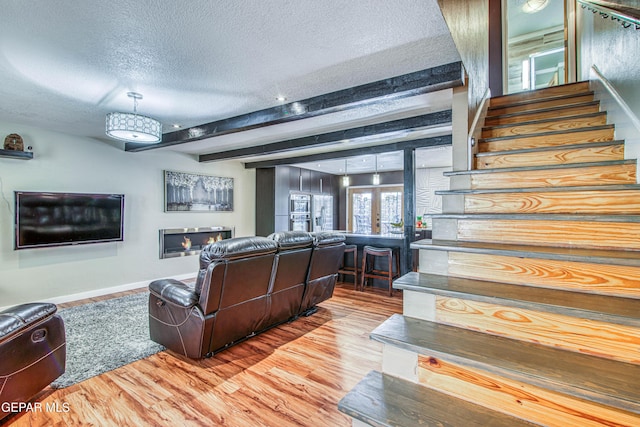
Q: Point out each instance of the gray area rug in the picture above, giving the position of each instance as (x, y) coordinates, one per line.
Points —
(105, 335)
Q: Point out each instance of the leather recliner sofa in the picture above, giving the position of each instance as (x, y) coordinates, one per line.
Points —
(32, 352)
(245, 286)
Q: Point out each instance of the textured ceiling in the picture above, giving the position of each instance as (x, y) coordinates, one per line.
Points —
(65, 65)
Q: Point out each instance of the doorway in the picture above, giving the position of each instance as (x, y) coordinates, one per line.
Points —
(375, 209)
(538, 44)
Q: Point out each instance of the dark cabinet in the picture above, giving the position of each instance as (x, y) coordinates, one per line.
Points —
(281, 190)
(265, 201)
(273, 187)
(300, 180)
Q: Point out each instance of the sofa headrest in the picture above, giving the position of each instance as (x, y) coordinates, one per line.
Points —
(238, 247)
(292, 239)
(326, 238)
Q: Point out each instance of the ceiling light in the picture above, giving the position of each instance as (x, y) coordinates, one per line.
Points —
(132, 127)
(176, 126)
(345, 178)
(533, 6)
(376, 177)
(281, 98)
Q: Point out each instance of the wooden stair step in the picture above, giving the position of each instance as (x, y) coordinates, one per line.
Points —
(546, 125)
(548, 139)
(538, 104)
(383, 400)
(543, 113)
(544, 316)
(574, 175)
(594, 199)
(578, 276)
(593, 256)
(557, 155)
(622, 311)
(606, 382)
(617, 187)
(621, 235)
(550, 92)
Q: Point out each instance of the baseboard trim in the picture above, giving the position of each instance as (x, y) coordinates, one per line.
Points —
(105, 291)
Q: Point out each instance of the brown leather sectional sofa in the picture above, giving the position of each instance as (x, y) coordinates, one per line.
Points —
(245, 286)
(32, 353)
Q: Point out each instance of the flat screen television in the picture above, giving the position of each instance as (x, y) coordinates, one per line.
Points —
(58, 219)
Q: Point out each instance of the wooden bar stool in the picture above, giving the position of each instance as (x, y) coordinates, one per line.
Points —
(369, 271)
(353, 271)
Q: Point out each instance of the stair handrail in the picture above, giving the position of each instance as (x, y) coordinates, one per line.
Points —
(476, 128)
(626, 17)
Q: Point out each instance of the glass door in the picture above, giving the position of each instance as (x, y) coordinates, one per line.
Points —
(375, 210)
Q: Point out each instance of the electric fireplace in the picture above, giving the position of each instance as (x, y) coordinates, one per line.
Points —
(177, 242)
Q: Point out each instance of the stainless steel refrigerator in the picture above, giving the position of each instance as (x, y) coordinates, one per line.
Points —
(322, 212)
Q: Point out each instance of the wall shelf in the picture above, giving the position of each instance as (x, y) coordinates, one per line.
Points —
(23, 155)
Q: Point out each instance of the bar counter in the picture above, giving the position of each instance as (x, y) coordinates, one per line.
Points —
(387, 240)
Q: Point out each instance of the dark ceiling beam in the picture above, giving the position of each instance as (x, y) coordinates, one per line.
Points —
(360, 133)
(412, 84)
(375, 149)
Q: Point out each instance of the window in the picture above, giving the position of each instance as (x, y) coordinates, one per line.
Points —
(372, 210)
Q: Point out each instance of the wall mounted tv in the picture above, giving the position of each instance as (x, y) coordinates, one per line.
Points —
(58, 219)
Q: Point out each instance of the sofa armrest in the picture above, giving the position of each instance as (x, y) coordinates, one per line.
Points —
(22, 316)
(174, 292)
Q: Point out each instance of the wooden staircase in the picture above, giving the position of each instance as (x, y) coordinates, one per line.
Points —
(526, 309)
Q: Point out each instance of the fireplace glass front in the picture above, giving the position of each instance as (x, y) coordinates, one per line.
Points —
(177, 242)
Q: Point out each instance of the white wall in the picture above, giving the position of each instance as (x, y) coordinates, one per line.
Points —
(428, 181)
(67, 163)
(613, 50)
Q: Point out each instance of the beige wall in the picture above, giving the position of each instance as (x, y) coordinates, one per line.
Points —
(67, 163)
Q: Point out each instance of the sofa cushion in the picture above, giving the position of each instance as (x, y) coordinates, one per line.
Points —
(292, 239)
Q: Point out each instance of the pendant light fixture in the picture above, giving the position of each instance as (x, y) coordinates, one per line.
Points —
(133, 127)
(345, 178)
(376, 177)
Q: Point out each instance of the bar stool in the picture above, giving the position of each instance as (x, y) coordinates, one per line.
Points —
(353, 271)
(369, 255)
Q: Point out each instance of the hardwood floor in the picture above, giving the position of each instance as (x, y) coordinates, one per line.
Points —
(292, 375)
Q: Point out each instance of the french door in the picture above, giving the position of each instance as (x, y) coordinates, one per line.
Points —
(372, 210)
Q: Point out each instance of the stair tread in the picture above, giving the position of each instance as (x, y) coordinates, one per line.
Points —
(601, 380)
(549, 148)
(594, 256)
(537, 99)
(542, 167)
(619, 310)
(616, 187)
(383, 400)
(555, 132)
(542, 110)
(542, 121)
(540, 217)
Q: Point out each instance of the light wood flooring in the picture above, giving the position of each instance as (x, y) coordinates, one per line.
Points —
(292, 375)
